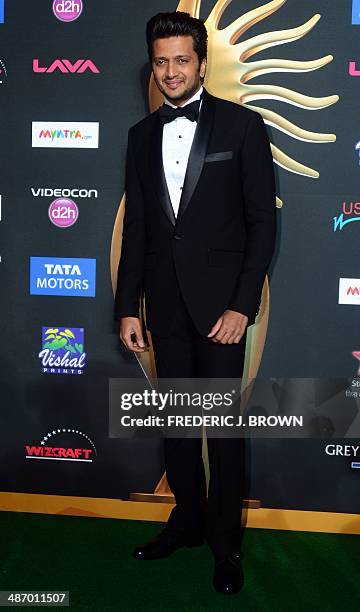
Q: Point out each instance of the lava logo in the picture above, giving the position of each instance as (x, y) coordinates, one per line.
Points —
(351, 211)
(65, 448)
(67, 10)
(1, 11)
(62, 350)
(353, 71)
(355, 18)
(82, 135)
(63, 212)
(349, 291)
(66, 67)
(3, 73)
(62, 276)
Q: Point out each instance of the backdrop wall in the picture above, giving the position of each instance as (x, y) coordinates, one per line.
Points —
(63, 135)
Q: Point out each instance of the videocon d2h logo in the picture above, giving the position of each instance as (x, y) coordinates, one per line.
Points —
(62, 350)
(67, 10)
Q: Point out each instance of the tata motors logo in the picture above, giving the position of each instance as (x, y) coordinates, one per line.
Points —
(60, 135)
(350, 211)
(63, 444)
(355, 18)
(63, 212)
(66, 66)
(62, 276)
(62, 350)
(67, 10)
(3, 73)
(349, 291)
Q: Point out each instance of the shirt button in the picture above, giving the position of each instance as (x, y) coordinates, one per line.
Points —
(177, 162)
(180, 136)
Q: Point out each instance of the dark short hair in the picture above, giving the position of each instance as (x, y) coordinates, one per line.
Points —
(177, 23)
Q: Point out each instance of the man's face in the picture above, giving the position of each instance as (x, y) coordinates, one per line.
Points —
(176, 68)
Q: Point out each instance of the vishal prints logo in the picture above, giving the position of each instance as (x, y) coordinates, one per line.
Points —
(349, 291)
(350, 211)
(67, 10)
(63, 212)
(3, 73)
(66, 66)
(62, 350)
(63, 444)
(65, 134)
(64, 276)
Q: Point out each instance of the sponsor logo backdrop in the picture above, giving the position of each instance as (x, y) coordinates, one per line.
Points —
(73, 79)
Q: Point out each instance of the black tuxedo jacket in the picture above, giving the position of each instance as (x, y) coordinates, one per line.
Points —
(220, 244)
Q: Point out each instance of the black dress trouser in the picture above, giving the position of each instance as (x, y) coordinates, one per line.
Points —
(185, 353)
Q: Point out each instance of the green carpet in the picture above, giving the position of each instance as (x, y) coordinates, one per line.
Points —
(91, 558)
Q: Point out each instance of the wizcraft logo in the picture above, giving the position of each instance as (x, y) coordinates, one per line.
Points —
(350, 212)
(62, 350)
(62, 276)
(349, 291)
(66, 67)
(48, 192)
(3, 73)
(67, 10)
(82, 135)
(355, 17)
(66, 448)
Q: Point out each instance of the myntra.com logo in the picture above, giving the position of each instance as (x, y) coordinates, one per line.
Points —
(350, 212)
(66, 67)
(65, 450)
(349, 291)
(65, 134)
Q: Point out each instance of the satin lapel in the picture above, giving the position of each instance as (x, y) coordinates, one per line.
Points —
(157, 171)
(197, 151)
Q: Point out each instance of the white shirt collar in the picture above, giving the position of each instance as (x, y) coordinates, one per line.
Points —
(196, 96)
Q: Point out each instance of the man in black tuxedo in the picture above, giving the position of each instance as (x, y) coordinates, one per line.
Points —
(198, 237)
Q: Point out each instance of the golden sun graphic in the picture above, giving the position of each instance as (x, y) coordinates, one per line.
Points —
(229, 72)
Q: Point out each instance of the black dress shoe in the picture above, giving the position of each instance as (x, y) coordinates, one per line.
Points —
(165, 544)
(228, 575)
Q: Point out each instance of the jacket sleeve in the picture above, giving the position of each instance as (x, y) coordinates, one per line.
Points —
(130, 270)
(259, 196)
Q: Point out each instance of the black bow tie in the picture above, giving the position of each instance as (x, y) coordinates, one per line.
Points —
(190, 111)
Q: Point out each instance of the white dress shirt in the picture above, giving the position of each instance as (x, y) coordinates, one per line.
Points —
(176, 144)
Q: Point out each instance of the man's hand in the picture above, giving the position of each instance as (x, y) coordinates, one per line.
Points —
(132, 326)
(229, 328)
